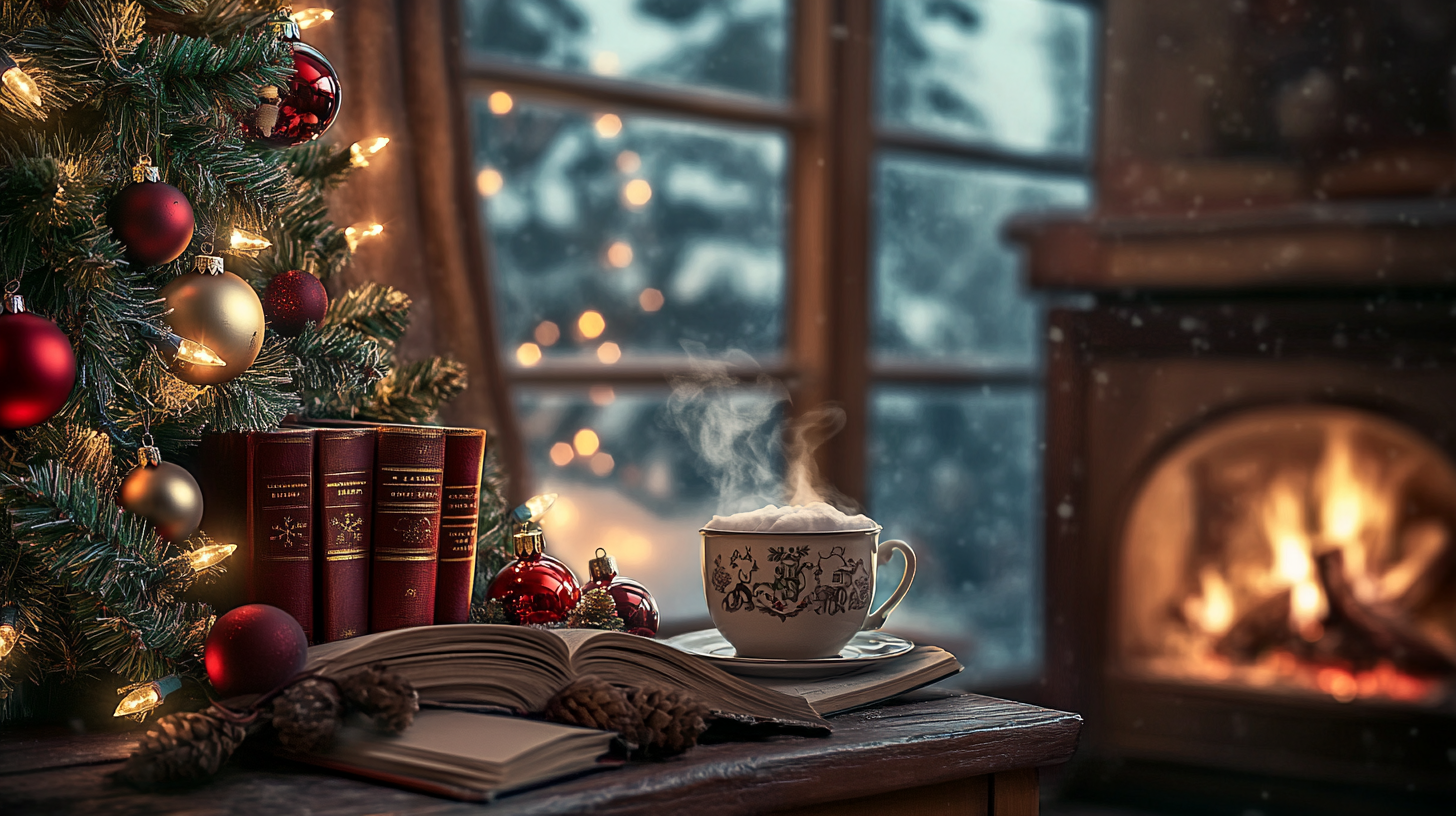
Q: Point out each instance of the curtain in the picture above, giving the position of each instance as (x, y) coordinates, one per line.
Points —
(399, 67)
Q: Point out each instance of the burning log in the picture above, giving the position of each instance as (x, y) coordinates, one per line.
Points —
(1263, 627)
(1368, 632)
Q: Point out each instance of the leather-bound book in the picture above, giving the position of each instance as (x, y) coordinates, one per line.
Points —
(459, 518)
(409, 465)
(257, 491)
(344, 472)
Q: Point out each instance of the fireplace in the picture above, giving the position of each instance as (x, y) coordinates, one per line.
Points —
(1251, 550)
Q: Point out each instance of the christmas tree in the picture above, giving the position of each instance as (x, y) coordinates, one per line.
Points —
(97, 96)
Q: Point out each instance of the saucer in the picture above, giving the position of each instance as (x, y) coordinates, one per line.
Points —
(862, 650)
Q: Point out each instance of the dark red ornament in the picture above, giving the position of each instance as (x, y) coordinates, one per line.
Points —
(254, 649)
(152, 219)
(302, 110)
(37, 367)
(635, 605)
(535, 588)
(292, 300)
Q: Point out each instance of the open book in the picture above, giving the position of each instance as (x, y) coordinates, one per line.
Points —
(521, 668)
(464, 755)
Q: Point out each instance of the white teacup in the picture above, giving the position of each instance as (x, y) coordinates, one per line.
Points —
(797, 595)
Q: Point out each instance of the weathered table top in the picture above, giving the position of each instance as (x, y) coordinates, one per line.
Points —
(921, 739)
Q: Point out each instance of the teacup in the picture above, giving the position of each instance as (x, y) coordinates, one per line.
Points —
(797, 595)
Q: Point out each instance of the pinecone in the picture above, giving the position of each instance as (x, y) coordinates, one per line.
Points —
(668, 721)
(592, 702)
(384, 695)
(595, 610)
(181, 747)
(307, 715)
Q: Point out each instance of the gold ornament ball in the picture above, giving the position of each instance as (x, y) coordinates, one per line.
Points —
(221, 312)
(167, 496)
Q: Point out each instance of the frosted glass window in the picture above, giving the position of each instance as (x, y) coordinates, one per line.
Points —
(631, 482)
(1012, 74)
(948, 285)
(957, 475)
(735, 46)
(616, 237)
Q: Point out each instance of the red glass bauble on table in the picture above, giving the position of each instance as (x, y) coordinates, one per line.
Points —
(37, 367)
(253, 650)
(153, 220)
(302, 110)
(635, 605)
(294, 299)
(534, 588)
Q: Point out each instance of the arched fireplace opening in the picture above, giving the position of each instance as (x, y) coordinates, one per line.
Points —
(1304, 550)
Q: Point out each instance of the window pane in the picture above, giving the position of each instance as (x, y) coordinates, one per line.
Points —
(948, 286)
(736, 46)
(625, 236)
(633, 485)
(957, 476)
(1014, 74)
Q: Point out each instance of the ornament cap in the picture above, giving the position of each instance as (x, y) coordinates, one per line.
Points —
(149, 455)
(530, 541)
(603, 567)
(287, 30)
(144, 170)
(14, 304)
(207, 264)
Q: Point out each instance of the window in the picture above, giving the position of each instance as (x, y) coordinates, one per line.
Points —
(811, 192)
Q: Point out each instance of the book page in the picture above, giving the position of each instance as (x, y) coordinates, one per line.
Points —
(626, 659)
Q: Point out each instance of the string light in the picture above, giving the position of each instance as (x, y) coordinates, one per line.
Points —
(528, 354)
(359, 153)
(310, 17)
(591, 324)
(609, 353)
(562, 454)
(18, 80)
(9, 629)
(144, 697)
(358, 232)
(489, 182)
(586, 442)
(204, 557)
(179, 347)
(534, 508)
(245, 241)
(609, 125)
(500, 103)
(637, 192)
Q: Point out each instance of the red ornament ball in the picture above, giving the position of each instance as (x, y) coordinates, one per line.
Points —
(37, 369)
(301, 111)
(635, 605)
(292, 300)
(254, 649)
(153, 220)
(535, 588)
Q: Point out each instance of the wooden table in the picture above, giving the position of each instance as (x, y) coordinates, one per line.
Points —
(932, 752)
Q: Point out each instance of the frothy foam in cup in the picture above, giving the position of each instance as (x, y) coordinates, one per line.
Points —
(814, 517)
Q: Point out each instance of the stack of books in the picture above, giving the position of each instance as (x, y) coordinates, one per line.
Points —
(350, 527)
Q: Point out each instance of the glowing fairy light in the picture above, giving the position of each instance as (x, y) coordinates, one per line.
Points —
(9, 629)
(360, 152)
(204, 557)
(18, 81)
(489, 182)
(562, 454)
(147, 696)
(528, 354)
(244, 241)
(586, 442)
(637, 192)
(591, 324)
(358, 232)
(534, 508)
(500, 103)
(310, 17)
(619, 254)
(609, 125)
(609, 353)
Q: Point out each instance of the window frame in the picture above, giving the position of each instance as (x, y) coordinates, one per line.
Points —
(835, 143)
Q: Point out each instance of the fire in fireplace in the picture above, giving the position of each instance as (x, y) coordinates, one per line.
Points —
(1295, 550)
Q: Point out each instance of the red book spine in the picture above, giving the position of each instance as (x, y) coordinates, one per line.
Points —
(344, 509)
(281, 522)
(408, 486)
(459, 518)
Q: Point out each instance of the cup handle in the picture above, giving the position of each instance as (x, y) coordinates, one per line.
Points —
(887, 548)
